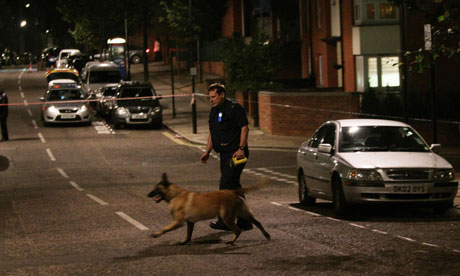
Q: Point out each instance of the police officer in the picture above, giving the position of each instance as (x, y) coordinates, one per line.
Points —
(228, 126)
(3, 114)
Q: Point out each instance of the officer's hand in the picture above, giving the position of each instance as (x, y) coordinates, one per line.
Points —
(239, 154)
(204, 157)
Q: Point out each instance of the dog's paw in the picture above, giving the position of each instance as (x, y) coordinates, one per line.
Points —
(155, 235)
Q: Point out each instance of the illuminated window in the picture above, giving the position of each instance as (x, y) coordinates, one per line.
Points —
(373, 74)
(370, 11)
(390, 71)
(387, 11)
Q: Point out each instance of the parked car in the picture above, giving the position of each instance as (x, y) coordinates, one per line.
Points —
(8, 57)
(65, 104)
(105, 99)
(26, 58)
(365, 161)
(78, 61)
(62, 76)
(62, 61)
(135, 55)
(136, 103)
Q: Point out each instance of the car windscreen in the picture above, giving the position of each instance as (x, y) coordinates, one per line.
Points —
(62, 75)
(380, 138)
(104, 76)
(135, 92)
(109, 91)
(65, 95)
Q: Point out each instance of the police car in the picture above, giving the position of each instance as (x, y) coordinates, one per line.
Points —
(62, 76)
(65, 103)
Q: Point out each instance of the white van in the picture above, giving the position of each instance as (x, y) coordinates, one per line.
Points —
(96, 74)
(61, 61)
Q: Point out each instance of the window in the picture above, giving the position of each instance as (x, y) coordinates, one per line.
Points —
(373, 74)
(329, 136)
(387, 11)
(390, 71)
(370, 11)
(320, 70)
(357, 13)
(317, 137)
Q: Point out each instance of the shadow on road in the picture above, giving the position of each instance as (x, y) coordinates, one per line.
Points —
(383, 213)
(4, 163)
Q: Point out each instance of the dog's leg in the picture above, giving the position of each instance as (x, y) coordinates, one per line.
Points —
(190, 226)
(230, 222)
(249, 217)
(174, 225)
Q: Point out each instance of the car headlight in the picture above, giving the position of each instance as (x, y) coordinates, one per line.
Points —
(444, 174)
(83, 108)
(52, 109)
(364, 175)
(156, 109)
(122, 111)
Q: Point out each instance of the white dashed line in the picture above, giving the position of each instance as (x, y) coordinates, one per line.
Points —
(333, 219)
(430, 244)
(380, 232)
(62, 172)
(295, 209)
(35, 124)
(313, 214)
(26, 103)
(357, 225)
(405, 238)
(22, 94)
(457, 251)
(30, 112)
(50, 154)
(76, 186)
(137, 224)
(276, 203)
(98, 200)
(41, 137)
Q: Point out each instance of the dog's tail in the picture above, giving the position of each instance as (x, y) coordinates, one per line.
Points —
(241, 191)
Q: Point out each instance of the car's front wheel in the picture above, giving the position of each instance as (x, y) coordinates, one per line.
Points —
(304, 198)
(339, 202)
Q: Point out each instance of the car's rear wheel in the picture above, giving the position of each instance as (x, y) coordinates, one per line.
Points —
(304, 198)
(339, 202)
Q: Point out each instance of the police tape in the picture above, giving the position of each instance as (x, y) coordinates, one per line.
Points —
(192, 96)
(25, 103)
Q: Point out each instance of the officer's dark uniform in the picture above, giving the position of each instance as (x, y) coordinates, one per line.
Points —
(3, 114)
(225, 123)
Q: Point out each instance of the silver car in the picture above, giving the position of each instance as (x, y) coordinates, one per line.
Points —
(65, 103)
(364, 161)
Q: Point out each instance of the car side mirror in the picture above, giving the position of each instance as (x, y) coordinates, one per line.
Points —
(325, 148)
(436, 148)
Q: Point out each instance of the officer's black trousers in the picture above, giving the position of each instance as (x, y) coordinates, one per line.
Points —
(230, 176)
(4, 128)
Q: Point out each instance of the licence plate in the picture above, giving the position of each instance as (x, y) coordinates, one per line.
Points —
(68, 116)
(139, 116)
(409, 189)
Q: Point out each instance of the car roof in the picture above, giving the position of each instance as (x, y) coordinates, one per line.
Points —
(370, 122)
(104, 65)
(61, 70)
(135, 84)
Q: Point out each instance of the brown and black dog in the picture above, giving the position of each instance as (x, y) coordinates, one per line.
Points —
(191, 207)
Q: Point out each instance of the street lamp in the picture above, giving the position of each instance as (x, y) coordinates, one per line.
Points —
(23, 23)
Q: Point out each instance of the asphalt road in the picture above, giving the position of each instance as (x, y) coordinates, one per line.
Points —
(73, 202)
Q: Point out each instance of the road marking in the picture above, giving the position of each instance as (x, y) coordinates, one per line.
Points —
(26, 103)
(292, 208)
(40, 135)
(172, 138)
(62, 172)
(50, 154)
(430, 244)
(134, 222)
(35, 124)
(380, 232)
(102, 128)
(457, 251)
(22, 94)
(333, 219)
(276, 203)
(313, 214)
(76, 186)
(357, 225)
(30, 112)
(98, 200)
(405, 238)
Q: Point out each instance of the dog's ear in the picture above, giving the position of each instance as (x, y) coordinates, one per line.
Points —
(164, 180)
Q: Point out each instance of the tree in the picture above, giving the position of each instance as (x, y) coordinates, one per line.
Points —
(444, 17)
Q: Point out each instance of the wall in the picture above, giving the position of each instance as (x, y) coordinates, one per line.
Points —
(306, 111)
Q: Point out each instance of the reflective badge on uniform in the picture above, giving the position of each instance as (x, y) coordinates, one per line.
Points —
(219, 119)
